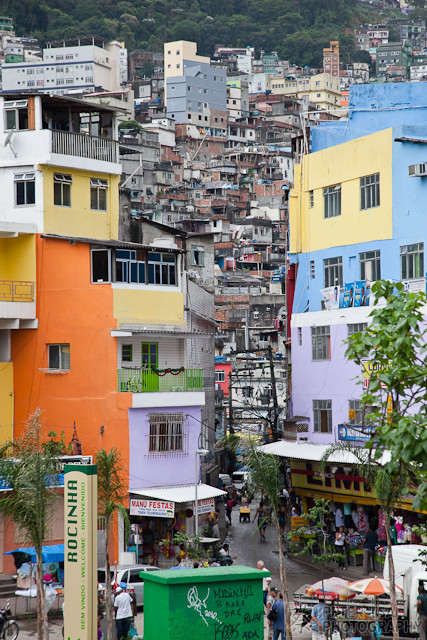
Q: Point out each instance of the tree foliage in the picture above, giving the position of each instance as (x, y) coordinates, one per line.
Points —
(296, 30)
(31, 467)
(265, 478)
(112, 496)
(394, 344)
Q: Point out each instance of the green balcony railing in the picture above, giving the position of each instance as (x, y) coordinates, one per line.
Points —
(143, 380)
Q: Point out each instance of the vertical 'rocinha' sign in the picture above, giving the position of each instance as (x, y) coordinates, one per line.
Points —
(80, 513)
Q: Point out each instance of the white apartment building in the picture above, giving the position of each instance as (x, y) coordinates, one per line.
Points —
(77, 65)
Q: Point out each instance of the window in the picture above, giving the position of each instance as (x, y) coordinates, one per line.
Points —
(312, 270)
(300, 336)
(197, 256)
(149, 355)
(162, 269)
(98, 194)
(220, 375)
(370, 266)
(62, 189)
(332, 268)
(16, 115)
(357, 412)
(320, 343)
(332, 201)
(356, 328)
(101, 265)
(166, 432)
(126, 352)
(311, 199)
(25, 188)
(322, 416)
(247, 392)
(370, 191)
(130, 266)
(59, 356)
(412, 261)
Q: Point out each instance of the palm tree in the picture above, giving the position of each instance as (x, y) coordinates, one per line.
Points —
(112, 493)
(30, 466)
(387, 489)
(265, 472)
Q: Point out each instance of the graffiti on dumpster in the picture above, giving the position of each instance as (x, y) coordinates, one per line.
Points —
(200, 606)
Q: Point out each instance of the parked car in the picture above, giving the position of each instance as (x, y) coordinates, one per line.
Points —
(130, 575)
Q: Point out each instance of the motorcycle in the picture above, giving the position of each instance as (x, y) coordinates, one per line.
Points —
(9, 629)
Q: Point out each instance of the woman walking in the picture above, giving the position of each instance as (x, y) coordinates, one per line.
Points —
(340, 548)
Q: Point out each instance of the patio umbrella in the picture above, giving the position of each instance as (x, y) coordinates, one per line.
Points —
(373, 587)
(331, 585)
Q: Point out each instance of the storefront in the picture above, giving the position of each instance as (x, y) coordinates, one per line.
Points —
(158, 513)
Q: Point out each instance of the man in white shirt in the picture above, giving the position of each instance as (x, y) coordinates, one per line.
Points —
(265, 581)
(123, 611)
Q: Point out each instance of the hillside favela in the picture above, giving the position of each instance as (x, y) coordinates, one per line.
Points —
(213, 320)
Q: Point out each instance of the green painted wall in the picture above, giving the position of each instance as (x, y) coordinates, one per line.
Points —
(218, 603)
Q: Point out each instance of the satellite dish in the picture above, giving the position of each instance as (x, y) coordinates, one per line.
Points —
(8, 142)
(8, 138)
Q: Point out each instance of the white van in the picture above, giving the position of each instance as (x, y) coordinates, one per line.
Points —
(240, 478)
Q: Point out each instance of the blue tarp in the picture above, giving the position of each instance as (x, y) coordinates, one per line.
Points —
(50, 553)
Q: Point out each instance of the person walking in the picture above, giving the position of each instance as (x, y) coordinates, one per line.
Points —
(265, 581)
(422, 611)
(262, 515)
(279, 622)
(282, 519)
(371, 541)
(340, 547)
(228, 509)
(123, 612)
(318, 621)
(271, 600)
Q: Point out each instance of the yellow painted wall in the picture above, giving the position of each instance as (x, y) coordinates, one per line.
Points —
(6, 401)
(80, 220)
(18, 258)
(148, 307)
(344, 164)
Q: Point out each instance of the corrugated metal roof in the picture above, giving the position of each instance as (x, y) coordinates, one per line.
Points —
(179, 493)
(309, 451)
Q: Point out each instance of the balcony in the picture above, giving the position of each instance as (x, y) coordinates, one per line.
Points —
(16, 291)
(84, 146)
(17, 302)
(147, 380)
(354, 433)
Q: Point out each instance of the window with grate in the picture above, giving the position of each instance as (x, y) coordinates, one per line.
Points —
(166, 432)
(332, 201)
(321, 343)
(356, 328)
(322, 416)
(370, 191)
(370, 265)
(312, 270)
(332, 269)
(412, 261)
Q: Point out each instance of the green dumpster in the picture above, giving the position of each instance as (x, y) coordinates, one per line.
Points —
(217, 603)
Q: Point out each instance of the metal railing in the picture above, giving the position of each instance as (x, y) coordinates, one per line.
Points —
(16, 291)
(144, 380)
(84, 146)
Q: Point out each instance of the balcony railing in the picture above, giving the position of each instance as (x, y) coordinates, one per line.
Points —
(144, 380)
(16, 291)
(84, 146)
(352, 434)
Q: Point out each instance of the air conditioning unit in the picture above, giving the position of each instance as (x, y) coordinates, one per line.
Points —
(418, 170)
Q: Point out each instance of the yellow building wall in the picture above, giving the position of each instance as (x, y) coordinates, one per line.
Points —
(344, 164)
(6, 401)
(18, 258)
(148, 307)
(80, 220)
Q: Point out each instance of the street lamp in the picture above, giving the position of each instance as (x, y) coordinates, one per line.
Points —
(200, 452)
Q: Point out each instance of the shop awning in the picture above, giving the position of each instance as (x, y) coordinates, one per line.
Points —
(180, 493)
(314, 452)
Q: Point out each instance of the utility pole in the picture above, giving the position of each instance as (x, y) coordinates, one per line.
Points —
(230, 404)
(274, 392)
